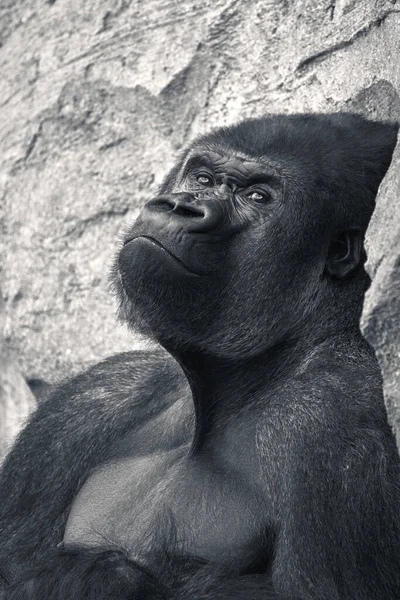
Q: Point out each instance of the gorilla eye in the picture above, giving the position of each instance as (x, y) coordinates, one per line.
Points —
(258, 196)
(204, 179)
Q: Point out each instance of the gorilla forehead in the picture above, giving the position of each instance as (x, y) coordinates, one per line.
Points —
(296, 133)
(332, 141)
(340, 154)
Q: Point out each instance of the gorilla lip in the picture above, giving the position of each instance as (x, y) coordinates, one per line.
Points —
(159, 245)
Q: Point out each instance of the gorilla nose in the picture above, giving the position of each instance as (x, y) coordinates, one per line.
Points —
(183, 209)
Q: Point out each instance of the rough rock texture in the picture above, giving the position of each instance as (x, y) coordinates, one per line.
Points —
(16, 399)
(97, 98)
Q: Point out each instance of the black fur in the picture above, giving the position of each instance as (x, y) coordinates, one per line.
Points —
(68, 574)
(263, 466)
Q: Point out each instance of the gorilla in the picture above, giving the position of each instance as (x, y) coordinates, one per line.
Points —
(250, 457)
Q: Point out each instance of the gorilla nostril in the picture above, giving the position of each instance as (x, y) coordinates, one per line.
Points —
(179, 204)
(188, 211)
(185, 210)
(164, 205)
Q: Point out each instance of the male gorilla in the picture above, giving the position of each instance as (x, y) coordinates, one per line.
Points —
(257, 462)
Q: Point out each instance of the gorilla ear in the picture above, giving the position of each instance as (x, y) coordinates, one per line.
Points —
(344, 253)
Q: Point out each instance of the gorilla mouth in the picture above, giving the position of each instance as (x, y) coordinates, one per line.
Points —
(154, 242)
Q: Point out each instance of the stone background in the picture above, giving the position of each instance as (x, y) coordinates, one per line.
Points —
(96, 100)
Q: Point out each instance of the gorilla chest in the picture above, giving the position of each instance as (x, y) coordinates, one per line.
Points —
(168, 500)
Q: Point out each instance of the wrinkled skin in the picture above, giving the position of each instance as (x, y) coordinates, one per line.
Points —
(252, 457)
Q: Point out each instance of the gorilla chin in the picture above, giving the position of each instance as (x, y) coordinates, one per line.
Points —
(158, 291)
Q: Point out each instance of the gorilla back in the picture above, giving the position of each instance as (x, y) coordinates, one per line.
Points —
(251, 456)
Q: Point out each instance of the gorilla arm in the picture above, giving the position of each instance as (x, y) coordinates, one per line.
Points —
(336, 473)
(67, 436)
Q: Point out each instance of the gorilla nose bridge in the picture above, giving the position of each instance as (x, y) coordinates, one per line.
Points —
(227, 187)
(224, 189)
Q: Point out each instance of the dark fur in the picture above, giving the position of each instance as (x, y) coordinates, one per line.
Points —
(323, 441)
(68, 574)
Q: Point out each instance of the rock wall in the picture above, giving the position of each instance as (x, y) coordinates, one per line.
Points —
(16, 399)
(98, 97)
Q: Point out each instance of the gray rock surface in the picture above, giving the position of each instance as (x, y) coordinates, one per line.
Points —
(98, 97)
(16, 399)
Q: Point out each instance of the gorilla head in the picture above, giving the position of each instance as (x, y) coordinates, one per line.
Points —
(256, 236)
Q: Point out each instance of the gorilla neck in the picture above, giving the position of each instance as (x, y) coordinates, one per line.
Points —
(222, 386)
(224, 379)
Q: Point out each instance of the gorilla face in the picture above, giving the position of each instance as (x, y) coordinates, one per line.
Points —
(240, 246)
(214, 256)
